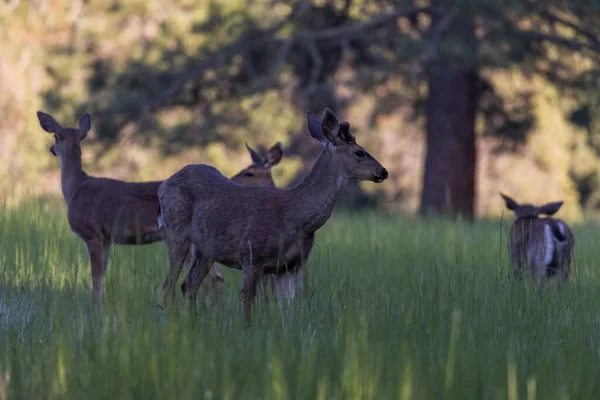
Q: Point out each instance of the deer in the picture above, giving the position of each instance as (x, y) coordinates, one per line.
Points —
(544, 245)
(257, 174)
(258, 230)
(104, 211)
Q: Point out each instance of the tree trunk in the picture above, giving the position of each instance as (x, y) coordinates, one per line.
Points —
(449, 180)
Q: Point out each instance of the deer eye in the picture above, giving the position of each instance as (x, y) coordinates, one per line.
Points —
(360, 154)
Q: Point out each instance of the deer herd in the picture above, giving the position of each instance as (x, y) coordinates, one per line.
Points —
(247, 223)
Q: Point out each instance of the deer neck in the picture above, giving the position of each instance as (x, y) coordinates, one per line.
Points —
(72, 174)
(315, 198)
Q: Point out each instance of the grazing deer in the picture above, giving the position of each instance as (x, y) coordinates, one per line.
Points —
(103, 211)
(257, 174)
(543, 244)
(259, 230)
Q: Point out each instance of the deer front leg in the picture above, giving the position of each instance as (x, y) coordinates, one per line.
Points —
(95, 252)
(250, 279)
(198, 271)
(178, 251)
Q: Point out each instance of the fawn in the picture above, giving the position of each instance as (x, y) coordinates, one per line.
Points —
(544, 245)
(257, 229)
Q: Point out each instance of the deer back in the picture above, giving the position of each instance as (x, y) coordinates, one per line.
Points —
(124, 211)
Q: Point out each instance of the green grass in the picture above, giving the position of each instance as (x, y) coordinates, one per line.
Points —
(399, 308)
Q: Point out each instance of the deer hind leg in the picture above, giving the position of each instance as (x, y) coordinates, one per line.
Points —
(267, 280)
(208, 286)
(105, 254)
(518, 259)
(539, 270)
(198, 271)
(95, 248)
(214, 283)
(178, 252)
(565, 265)
(219, 285)
(301, 280)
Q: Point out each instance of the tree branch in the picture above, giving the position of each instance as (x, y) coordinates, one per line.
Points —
(216, 58)
(577, 28)
(572, 44)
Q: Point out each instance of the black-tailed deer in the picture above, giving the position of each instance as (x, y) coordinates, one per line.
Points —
(104, 211)
(544, 245)
(257, 174)
(258, 230)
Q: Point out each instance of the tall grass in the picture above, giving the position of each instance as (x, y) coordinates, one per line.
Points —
(398, 308)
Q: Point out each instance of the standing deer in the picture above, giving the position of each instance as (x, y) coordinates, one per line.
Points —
(258, 230)
(257, 174)
(103, 211)
(543, 244)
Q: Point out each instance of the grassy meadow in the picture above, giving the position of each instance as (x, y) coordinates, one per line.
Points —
(398, 309)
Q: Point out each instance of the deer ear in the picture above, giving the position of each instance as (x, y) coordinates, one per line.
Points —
(510, 203)
(345, 131)
(256, 159)
(274, 154)
(48, 123)
(330, 126)
(551, 208)
(85, 124)
(314, 128)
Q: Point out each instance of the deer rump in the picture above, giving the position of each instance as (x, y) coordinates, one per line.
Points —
(555, 245)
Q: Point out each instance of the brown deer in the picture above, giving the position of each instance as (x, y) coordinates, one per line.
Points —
(258, 230)
(104, 211)
(257, 174)
(544, 245)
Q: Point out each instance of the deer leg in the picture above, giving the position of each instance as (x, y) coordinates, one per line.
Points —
(198, 271)
(266, 281)
(250, 279)
(300, 280)
(539, 271)
(214, 283)
(178, 253)
(219, 285)
(208, 286)
(95, 251)
(105, 254)
(286, 287)
(517, 264)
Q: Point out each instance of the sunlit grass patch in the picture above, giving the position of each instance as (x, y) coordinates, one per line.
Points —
(397, 308)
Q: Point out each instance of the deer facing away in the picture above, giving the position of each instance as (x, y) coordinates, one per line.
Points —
(544, 245)
(260, 230)
(257, 174)
(104, 211)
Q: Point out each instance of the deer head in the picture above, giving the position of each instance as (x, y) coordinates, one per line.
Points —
(353, 159)
(531, 211)
(64, 137)
(259, 173)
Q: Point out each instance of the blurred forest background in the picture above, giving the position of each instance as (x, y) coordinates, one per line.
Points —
(459, 99)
